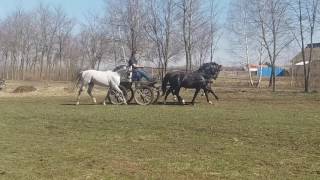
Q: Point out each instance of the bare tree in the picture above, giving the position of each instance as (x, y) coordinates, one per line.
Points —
(45, 37)
(305, 18)
(194, 22)
(204, 45)
(33, 43)
(65, 26)
(17, 47)
(129, 18)
(187, 8)
(213, 28)
(241, 27)
(40, 43)
(159, 28)
(4, 49)
(271, 18)
(94, 40)
(206, 34)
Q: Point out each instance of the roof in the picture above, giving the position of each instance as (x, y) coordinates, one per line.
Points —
(315, 45)
(315, 55)
(255, 67)
(301, 63)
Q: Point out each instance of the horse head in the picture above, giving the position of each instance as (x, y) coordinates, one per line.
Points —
(124, 71)
(120, 68)
(211, 70)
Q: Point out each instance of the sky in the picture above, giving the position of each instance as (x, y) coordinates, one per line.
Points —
(79, 9)
(74, 8)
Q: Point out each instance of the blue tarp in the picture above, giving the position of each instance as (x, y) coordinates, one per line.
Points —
(266, 71)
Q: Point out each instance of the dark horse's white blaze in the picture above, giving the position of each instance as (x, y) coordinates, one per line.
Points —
(89, 78)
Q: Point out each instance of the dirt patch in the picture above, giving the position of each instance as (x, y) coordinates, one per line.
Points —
(69, 89)
(24, 89)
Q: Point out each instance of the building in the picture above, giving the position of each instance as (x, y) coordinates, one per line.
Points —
(298, 70)
(265, 71)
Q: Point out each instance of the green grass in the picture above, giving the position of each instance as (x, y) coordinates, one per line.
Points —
(244, 136)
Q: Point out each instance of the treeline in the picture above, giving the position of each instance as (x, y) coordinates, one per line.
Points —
(264, 30)
(46, 44)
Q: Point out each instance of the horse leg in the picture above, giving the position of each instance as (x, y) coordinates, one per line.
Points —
(167, 93)
(177, 93)
(176, 98)
(91, 85)
(174, 95)
(206, 93)
(172, 91)
(195, 95)
(203, 93)
(79, 93)
(105, 100)
(116, 87)
(213, 93)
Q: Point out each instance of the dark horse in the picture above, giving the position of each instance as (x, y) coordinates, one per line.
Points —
(200, 79)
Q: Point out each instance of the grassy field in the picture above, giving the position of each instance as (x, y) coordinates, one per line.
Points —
(249, 134)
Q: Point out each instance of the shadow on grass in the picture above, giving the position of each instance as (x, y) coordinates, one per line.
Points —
(173, 104)
(130, 104)
(74, 104)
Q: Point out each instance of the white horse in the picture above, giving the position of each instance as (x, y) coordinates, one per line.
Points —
(89, 78)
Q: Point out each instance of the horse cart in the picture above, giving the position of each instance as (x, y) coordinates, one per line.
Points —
(143, 93)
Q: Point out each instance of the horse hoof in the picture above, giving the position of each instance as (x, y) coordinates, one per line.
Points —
(210, 102)
(77, 103)
(183, 102)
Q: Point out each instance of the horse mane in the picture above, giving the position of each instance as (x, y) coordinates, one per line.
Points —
(119, 68)
(209, 66)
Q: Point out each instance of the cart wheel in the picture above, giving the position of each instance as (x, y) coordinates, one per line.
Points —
(143, 95)
(115, 97)
(129, 94)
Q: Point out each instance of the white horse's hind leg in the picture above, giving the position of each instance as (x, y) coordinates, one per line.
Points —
(119, 90)
(91, 85)
(79, 93)
(105, 100)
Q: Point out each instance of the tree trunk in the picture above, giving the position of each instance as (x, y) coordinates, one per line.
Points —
(41, 65)
(248, 60)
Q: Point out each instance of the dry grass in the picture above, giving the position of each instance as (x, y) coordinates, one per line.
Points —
(227, 81)
(24, 89)
(249, 134)
(43, 89)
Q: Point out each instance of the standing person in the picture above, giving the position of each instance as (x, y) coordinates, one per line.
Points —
(137, 72)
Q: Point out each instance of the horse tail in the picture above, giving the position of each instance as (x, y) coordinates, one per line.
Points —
(164, 84)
